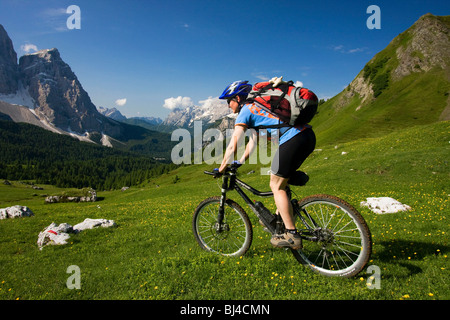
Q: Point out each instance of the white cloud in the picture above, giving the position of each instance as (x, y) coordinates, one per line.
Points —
(260, 76)
(121, 102)
(356, 50)
(341, 48)
(55, 19)
(54, 12)
(213, 103)
(29, 47)
(179, 102)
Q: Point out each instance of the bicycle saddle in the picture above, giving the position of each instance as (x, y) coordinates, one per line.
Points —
(298, 178)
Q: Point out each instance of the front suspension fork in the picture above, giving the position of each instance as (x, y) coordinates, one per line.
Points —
(223, 199)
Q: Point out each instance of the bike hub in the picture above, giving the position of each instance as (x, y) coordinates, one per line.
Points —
(325, 236)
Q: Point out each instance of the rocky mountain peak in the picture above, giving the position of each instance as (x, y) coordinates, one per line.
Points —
(424, 46)
(60, 96)
(42, 81)
(210, 111)
(8, 64)
(112, 113)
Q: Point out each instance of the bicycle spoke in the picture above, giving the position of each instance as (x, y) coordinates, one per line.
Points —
(331, 218)
(348, 230)
(342, 259)
(342, 227)
(345, 251)
(350, 244)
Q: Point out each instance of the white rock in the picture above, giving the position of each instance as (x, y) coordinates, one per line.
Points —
(54, 234)
(15, 212)
(59, 234)
(384, 205)
(93, 223)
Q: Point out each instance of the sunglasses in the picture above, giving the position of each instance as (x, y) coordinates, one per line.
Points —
(231, 99)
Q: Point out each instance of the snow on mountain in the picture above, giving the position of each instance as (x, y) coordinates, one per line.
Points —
(21, 97)
(208, 111)
(112, 113)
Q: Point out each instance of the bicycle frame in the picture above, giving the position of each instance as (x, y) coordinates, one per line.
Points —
(230, 182)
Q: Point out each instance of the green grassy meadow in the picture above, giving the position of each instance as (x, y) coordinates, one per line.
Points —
(152, 254)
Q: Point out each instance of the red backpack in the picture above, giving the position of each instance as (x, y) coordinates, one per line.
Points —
(292, 105)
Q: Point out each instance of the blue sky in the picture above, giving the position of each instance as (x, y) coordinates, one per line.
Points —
(139, 56)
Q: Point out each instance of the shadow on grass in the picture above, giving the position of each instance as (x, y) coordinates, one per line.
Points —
(405, 253)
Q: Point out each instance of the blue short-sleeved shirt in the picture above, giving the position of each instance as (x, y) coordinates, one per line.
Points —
(252, 115)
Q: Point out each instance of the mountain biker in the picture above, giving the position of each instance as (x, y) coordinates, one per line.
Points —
(295, 145)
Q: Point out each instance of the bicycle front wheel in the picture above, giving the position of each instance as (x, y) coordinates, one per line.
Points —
(340, 240)
(231, 237)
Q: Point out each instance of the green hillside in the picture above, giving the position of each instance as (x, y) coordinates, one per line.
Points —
(415, 100)
(383, 97)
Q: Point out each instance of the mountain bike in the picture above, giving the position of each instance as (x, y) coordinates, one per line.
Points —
(336, 238)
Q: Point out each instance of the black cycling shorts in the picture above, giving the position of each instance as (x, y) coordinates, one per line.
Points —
(291, 154)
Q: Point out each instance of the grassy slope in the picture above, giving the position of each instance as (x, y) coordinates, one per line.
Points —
(400, 106)
(152, 254)
(416, 99)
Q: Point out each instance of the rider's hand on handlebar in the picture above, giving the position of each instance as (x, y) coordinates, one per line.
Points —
(236, 164)
(216, 172)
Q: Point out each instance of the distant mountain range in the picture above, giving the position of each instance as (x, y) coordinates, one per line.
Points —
(54, 99)
(405, 84)
(208, 113)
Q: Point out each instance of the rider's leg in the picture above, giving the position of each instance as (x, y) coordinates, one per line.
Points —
(278, 185)
(290, 238)
(288, 158)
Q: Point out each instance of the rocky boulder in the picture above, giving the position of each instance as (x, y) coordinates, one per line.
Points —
(15, 212)
(91, 196)
(59, 234)
(61, 98)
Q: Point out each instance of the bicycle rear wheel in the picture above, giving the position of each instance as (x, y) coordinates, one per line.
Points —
(340, 243)
(232, 237)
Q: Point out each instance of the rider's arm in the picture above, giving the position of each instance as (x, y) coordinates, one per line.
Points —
(232, 147)
(250, 146)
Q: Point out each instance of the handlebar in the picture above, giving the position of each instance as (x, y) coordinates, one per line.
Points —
(231, 168)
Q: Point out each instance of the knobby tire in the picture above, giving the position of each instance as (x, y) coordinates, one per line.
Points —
(232, 238)
(344, 241)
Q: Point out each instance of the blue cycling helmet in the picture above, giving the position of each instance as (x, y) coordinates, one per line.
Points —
(237, 88)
